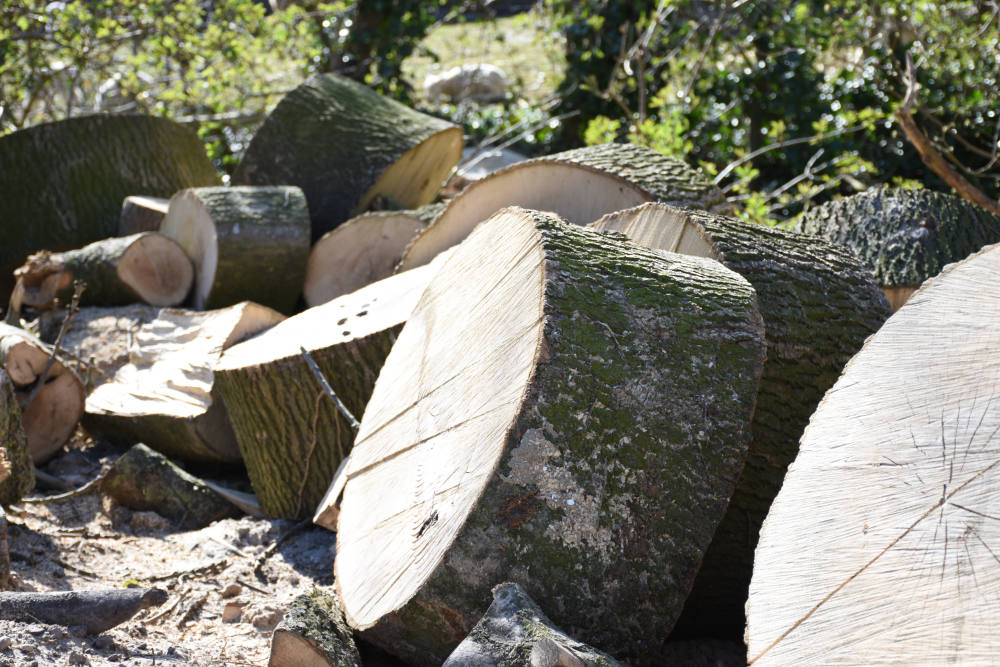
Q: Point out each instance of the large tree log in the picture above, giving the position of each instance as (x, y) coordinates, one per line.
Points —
(882, 546)
(146, 267)
(17, 473)
(514, 632)
(51, 406)
(63, 182)
(580, 185)
(165, 396)
(4, 551)
(345, 145)
(141, 214)
(292, 437)
(904, 236)
(96, 611)
(361, 251)
(247, 243)
(819, 304)
(563, 409)
(313, 633)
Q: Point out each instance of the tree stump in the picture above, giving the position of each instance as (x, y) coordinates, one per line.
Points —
(361, 251)
(165, 396)
(141, 214)
(292, 437)
(64, 182)
(51, 406)
(17, 473)
(247, 244)
(904, 236)
(563, 409)
(819, 303)
(881, 547)
(580, 185)
(313, 633)
(146, 267)
(345, 145)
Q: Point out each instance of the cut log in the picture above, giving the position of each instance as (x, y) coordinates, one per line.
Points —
(881, 547)
(819, 304)
(144, 480)
(17, 473)
(4, 551)
(51, 406)
(63, 182)
(146, 267)
(904, 236)
(96, 611)
(515, 633)
(345, 145)
(563, 409)
(141, 214)
(292, 437)
(247, 244)
(165, 396)
(313, 633)
(361, 251)
(580, 185)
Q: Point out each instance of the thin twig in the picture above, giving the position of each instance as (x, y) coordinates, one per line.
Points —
(78, 287)
(329, 390)
(277, 543)
(782, 144)
(86, 488)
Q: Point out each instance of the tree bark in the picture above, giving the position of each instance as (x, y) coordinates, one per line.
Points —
(579, 185)
(345, 145)
(145, 267)
(247, 244)
(313, 633)
(17, 473)
(4, 551)
(291, 436)
(64, 182)
(96, 611)
(895, 487)
(141, 214)
(565, 410)
(819, 304)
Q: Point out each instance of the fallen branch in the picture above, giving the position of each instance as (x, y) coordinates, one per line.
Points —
(96, 611)
(329, 390)
(74, 307)
(86, 488)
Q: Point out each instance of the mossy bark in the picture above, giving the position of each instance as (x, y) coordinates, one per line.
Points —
(4, 551)
(64, 182)
(334, 138)
(142, 479)
(626, 447)
(515, 632)
(17, 473)
(314, 632)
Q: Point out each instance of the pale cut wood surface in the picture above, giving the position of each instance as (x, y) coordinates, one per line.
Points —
(882, 546)
(141, 214)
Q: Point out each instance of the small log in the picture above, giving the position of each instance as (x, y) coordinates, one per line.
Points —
(345, 145)
(142, 479)
(291, 436)
(17, 472)
(313, 633)
(165, 396)
(96, 611)
(515, 632)
(4, 551)
(361, 251)
(882, 545)
(579, 185)
(51, 407)
(247, 243)
(563, 409)
(146, 267)
(141, 214)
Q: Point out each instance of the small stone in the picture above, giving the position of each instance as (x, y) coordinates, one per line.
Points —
(231, 591)
(5, 643)
(114, 657)
(267, 618)
(27, 648)
(78, 630)
(232, 612)
(103, 642)
(77, 658)
(35, 629)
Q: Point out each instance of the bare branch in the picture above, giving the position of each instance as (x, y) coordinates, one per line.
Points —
(782, 144)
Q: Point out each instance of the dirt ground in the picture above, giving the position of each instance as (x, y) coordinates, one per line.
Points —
(226, 590)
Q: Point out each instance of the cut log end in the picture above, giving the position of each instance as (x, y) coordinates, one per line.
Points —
(157, 269)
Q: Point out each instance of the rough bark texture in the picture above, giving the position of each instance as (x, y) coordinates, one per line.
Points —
(515, 632)
(819, 304)
(63, 182)
(145, 267)
(291, 435)
(17, 473)
(4, 551)
(624, 448)
(142, 479)
(335, 138)
(141, 214)
(904, 236)
(881, 547)
(96, 611)
(313, 633)
(247, 244)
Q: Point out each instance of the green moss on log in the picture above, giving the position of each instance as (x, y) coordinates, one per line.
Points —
(316, 623)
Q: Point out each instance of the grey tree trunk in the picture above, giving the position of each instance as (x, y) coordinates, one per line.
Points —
(345, 145)
(17, 473)
(96, 611)
(313, 633)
